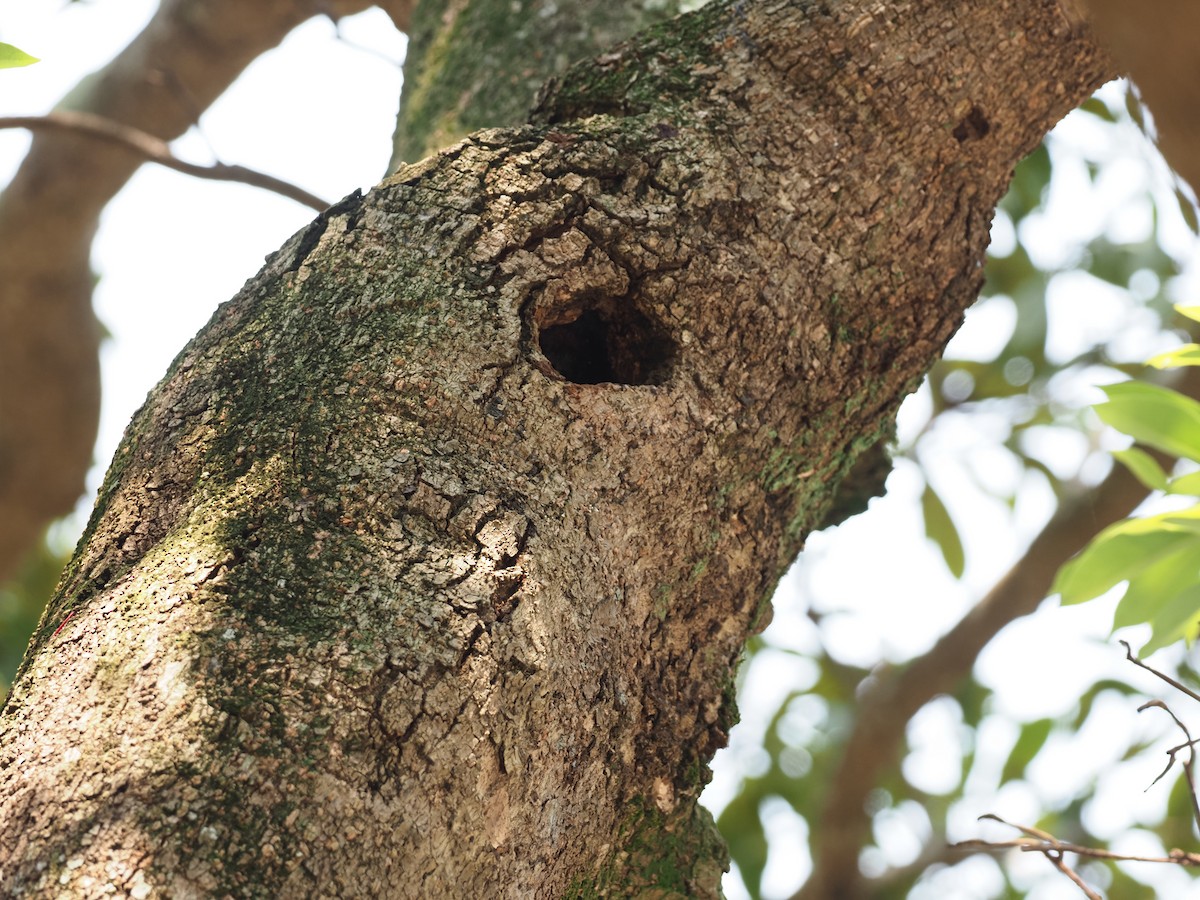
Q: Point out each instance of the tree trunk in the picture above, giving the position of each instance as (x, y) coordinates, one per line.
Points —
(426, 569)
(479, 64)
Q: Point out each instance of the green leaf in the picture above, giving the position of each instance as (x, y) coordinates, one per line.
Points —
(1177, 826)
(1032, 738)
(1152, 589)
(1179, 619)
(1188, 210)
(1191, 312)
(939, 528)
(1185, 355)
(1188, 484)
(1098, 108)
(1153, 415)
(1181, 519)
(741, 826)
(11, 57)
(1133, 106)
(1143, 467)
(1121, 552)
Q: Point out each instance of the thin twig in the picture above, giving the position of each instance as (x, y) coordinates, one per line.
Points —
(1059, 863)
(1153, 671)
(1033, 845)
(1189, 764)
(363, 48)
(1038, 841)
(1173, 752)
(158, 151)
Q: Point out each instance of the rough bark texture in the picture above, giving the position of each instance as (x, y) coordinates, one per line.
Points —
(425, 571)
(479, 63)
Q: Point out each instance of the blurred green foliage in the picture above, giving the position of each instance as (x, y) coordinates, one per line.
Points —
(1156, 556)
(21, 603)
(1030, 384)
(13, 57)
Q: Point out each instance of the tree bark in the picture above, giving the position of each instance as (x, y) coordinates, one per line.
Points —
(479, 64)
(426, 569)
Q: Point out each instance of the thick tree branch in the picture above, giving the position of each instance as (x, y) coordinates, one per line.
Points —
(189, 53)
(1156, 42)
(458, 78)
(892, 696)
(450, 609)
(154, 150)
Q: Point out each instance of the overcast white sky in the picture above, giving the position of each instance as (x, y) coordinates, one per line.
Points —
(318, 112)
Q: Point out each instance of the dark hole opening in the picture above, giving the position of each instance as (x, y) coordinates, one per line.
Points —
(974, 126)
(608, 346)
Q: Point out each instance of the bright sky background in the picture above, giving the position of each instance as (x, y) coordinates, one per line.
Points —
(319, 112)
(170, 248)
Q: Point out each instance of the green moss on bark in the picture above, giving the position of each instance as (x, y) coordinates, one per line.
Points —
(479, 64)
(661, 856)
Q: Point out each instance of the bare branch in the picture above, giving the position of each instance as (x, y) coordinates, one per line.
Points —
(1189, 764)
(1038, 841)
(1176, 857)
(1059, 863)
(158, 151)
(1183, 689)
(1173, 752)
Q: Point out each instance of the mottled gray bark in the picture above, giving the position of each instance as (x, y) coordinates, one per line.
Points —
(425, 571)
(479, 63)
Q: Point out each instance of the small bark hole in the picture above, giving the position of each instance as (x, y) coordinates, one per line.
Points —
(614, 344)
(974, 125)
